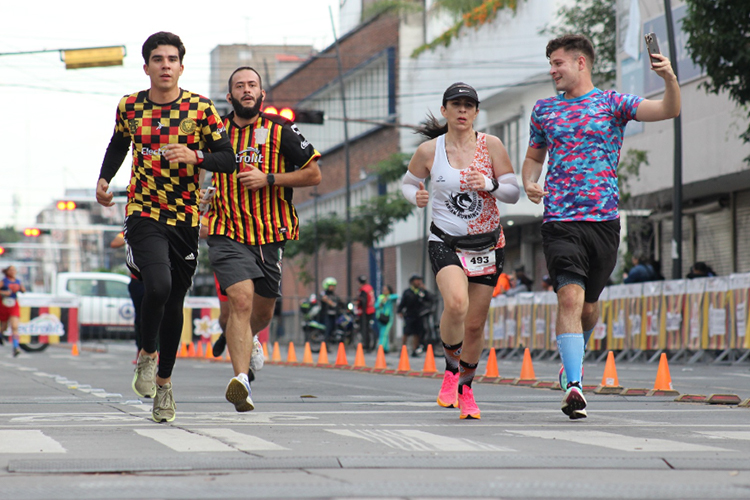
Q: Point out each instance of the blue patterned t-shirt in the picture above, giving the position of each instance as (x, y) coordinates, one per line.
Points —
(583, 137)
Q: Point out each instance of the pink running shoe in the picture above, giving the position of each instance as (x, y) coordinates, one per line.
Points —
(466, 402)
(448, 397)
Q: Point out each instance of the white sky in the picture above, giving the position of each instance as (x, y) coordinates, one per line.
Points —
(57, 124)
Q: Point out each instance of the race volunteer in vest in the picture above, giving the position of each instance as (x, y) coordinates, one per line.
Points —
(469, 173)
(251, 218)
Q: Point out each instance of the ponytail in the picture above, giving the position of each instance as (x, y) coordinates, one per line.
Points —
(431, 127)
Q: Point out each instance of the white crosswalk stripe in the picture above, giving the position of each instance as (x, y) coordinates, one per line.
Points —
(415, 440)
(184, 441)
(743, 435)
(28, 441)
(618, 441)
(243, 442)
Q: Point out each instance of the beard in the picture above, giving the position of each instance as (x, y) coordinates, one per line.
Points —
(244, 111)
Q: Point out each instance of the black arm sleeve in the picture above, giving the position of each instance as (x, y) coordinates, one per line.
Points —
(221, 158)
(115, 155)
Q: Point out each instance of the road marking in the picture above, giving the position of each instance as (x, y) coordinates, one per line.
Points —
(243, 442)
(183, 441)
(33, 441)
(414, 440)
(618, 441)
(744, 435)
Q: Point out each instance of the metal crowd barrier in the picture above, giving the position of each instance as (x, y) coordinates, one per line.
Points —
(703, 319)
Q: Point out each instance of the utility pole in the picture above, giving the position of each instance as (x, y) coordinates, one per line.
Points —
(348, 166)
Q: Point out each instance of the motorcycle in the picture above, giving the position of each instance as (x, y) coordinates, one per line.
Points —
(315, 332)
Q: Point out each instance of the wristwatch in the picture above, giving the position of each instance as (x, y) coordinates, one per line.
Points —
(270, 179)
(495, 185)
(199, 156)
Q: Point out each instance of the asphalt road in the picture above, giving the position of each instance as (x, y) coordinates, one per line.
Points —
(71, 427)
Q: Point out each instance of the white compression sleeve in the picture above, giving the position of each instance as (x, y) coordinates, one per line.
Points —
(410, 186)
(507, 190)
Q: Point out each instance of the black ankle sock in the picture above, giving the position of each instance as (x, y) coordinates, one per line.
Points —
(467, 374)
(452, 356)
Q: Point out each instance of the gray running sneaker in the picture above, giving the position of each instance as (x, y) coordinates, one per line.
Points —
(257, 359)
(164, 406)
(144, 380)
(238, 393)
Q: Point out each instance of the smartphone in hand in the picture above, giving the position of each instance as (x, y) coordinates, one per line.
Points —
(652, 45)
(205, 202)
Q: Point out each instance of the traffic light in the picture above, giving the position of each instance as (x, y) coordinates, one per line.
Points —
(297, 115)
(34, 232)
(64, 205)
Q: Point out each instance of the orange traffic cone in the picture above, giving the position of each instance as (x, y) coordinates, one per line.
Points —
(491, 371)
(359, 357)
(183, 351)
(380, 359)
(265, 349)
(323, 355)
(307, 356)
(403, 362)
(610, 384)
(429, 361)
(341, 356)
(191, 350)
(209, 352)
(276, 356)
(663, 382)
(199, 350)
(74, 350)
(291, 355)
(527, 370)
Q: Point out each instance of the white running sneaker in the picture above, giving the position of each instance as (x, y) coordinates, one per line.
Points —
(238, 393)
(258, 358)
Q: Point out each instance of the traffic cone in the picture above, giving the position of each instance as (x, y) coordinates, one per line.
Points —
(191, 350)
(307, 356)
(74, 350)
(359, 357)
(209, 354)
(291, 355)
(491, 371)
(429, 361)
(380, 359)
(527, 370)
(403, 362)
(663, 382)
(276, 356)
(183, 350)
(323, 355)
(199, 350)
(341, 356)
(610, 384)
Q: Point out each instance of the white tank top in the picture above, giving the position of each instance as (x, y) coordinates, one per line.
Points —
(456, 209)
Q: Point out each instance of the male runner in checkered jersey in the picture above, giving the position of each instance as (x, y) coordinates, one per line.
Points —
(174, 133)
(252, 217)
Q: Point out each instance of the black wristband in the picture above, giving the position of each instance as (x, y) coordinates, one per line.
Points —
(495, 185)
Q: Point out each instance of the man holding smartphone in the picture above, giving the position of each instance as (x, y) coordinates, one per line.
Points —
(582, 130)
(251, 217)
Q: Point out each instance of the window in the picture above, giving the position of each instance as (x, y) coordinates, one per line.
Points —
(114, 289)
(509, 132)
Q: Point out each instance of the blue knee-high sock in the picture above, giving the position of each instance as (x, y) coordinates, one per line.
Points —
(586, 337)
(570, 346)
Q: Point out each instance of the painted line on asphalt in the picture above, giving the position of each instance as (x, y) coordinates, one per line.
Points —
(415, 440)
(184, 441)
(28, 441)
(618, 441)
(240, 441)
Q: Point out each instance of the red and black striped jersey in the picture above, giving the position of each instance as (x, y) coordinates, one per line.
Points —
(164, 191)
(273, 145)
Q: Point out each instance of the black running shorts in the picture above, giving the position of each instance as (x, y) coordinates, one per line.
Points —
(441, 256)
(233, 262)
(588, 249)
(152, 242)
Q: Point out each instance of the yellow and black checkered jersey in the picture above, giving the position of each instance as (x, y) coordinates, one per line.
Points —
(273, 145)
(164, 191)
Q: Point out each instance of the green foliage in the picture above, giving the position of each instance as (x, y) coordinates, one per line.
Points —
(8, 234)
(719, 41)
(370, 221)
(596, 19)
(629, 167)
(470, 13)
(399, 6)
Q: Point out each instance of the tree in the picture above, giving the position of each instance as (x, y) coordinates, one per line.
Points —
(597, 20)
(370, 221)
(719, 41)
